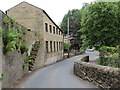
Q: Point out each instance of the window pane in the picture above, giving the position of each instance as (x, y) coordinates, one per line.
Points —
(50, 46)
(54, 47)
(50, 29)
(46, 27)
(57, 46)
(54, 30)
(47, 46)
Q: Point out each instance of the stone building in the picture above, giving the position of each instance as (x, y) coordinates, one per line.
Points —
(46, 31)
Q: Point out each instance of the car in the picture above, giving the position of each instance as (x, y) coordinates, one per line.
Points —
(89, 50)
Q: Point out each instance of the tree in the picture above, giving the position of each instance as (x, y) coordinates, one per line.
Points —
(100, 25)
(85, 5)
(66, 46)
(75, 20)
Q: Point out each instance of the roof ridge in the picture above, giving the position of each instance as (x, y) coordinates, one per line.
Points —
(38, 8)
(21, 3)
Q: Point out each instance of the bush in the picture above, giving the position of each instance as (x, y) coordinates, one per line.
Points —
(109, 60)
(10, 47)
(107, 49)
(23, 48)
(66, 46)
(12, 37)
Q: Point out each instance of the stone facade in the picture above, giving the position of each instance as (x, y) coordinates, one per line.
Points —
(102, 76)
(46, 30)
(51, 43)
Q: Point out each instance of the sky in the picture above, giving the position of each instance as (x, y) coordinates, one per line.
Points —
(56, 9)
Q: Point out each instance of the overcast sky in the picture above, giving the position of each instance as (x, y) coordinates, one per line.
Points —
(56, 9)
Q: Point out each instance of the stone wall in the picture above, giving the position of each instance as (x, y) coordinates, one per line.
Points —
(0, 52)
(11, 63)
(13, 68)
(0, 63)
(102, 76)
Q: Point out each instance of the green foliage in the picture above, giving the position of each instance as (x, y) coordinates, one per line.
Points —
(110, 60)
(23, 48)
(66, 46)
(100, 25)
(12, 22)
(106, 49)
(9, 35)
(6, 19)
(27, 61)
(101, 29)
(12, 37)
(30, 59)
(10, 46)
(75, 18)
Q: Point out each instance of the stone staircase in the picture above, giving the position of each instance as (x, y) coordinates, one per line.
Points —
(33, 55)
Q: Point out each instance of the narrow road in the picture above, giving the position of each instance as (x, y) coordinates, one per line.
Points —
(59, 75)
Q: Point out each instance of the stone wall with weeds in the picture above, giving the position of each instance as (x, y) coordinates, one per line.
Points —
(13, 36)
(14, 50)
(16, 61)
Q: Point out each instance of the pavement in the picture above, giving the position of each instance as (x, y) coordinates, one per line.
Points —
(59, 75)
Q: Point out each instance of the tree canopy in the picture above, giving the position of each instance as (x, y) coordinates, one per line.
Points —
(101, 25)
(75, 19)
(74, 25)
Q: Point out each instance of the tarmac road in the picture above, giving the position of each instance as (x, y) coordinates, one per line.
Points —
(59, 75)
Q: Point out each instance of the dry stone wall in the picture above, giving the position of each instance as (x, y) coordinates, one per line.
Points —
(102, 76)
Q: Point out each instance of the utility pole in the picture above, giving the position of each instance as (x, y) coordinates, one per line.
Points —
(68, 25)
(68, 35)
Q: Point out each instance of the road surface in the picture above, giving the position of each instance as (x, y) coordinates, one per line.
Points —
(59, 75)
